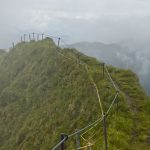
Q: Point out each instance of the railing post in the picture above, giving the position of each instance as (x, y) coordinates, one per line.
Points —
(59, 41)
(103, 69)
(33, 35)
(77, 140)
(42, 36)
(62, 136)
(29, 37)
(105, 131)
(13, 44)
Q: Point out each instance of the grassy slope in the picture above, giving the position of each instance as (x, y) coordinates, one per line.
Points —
(42, 94)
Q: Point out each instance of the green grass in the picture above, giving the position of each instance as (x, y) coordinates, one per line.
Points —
(43, 94)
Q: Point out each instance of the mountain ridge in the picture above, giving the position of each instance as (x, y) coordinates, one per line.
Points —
(39, 84)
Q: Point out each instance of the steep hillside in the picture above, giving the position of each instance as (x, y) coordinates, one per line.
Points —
(46, 91)
(136, 59)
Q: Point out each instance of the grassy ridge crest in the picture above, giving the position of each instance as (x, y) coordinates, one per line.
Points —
(42, 94)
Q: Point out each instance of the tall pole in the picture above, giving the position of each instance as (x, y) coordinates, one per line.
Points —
(21, 38)
(105, 131)
(61, 138)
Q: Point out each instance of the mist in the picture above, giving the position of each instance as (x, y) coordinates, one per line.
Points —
(81, 20)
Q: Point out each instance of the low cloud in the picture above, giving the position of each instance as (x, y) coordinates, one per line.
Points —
(92, 20)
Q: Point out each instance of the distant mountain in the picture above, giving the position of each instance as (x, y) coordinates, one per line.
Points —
(119, 56)
(109, 53)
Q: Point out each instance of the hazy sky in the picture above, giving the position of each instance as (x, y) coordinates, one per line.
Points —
(76, 20)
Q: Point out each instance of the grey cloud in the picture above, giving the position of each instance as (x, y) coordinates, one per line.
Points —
(109, 21)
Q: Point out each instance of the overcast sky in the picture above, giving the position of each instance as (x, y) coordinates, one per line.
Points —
(75, 20)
